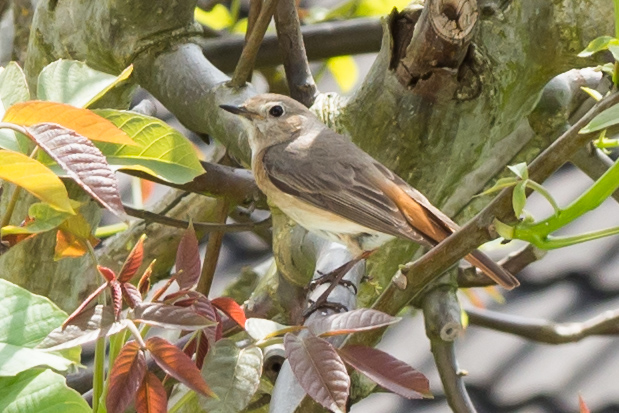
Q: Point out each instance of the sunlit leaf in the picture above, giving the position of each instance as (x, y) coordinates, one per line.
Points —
(73, 82)
(13, 89)
(35, 178)
(78, 311)
(117, 298)
(188, 259)
(144, 283)
(607, 118)
(43, 218)
(125, 378)
(319, 370)
(163, 151)
(362, 319)
(365, 8)
(231, 309)
(151, 397)
(176, 363)
(69, 246)
(39, 390)
(387, 371)
(170, 316)
(233, 374)
(345, 72)
(82, 161)
(131, 294)
(597, 45)
(82, 121)
(520, 170)
(592, 92)
(133, 261)
(218, 18)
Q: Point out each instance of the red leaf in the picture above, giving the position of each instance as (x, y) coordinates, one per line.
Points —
(151, 397)
(170, 316)
(133, 261)
(125, 377)
(582, 405)
(204, 307)
(203, 347)
(117, 298)
(83, 305)
(82, 161)
(176, 363)
(231, 309)
(188, 260)
(131, 294)
(144, 283)
(351, 321)
(319, 370)
(190, 348)
(108, 274)
(387, 371)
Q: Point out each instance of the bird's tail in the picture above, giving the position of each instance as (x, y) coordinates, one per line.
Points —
(493, 270)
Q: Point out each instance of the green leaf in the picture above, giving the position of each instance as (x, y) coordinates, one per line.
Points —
(500, 184)
(35, 178)
(614, 49)
(25, 320)
(365, 8)
(74, 83)
(233, 374)
(44, 217)
(607, 118)
(520, 170)
(163, 151)
(13, 89)
(344, 71)
(41, 391)
(218, 18)
(597, 45)
(519, 197)
(592, 92)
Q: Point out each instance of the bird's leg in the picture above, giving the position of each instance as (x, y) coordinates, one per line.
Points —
(334, 278)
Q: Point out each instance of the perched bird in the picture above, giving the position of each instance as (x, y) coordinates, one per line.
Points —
(331, 187)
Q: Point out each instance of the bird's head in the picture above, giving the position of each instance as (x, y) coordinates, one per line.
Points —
(274, 119)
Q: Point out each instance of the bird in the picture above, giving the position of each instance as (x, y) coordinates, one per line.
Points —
(331, 187)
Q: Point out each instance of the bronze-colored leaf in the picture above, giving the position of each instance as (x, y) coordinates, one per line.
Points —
(204, 307)
(362, 319)
(231, 309)
(188, 260)
(82, 161)
(83, 121)
(83, 305)
(203, 348)
(125, 378)
(170, 316)
(144, 283)
(107, 273)
(117, 298)
(319, 370)
(131, 295)
(582, 405)
(176, 363)
(133, 261)
(151, 397)
(387, 371)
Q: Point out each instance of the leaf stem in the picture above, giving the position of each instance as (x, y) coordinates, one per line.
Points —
(98, 376)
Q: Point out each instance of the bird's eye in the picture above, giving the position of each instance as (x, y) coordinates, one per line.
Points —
(276, 111)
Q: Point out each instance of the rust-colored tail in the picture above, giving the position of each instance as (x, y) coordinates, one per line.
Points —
(493, 270)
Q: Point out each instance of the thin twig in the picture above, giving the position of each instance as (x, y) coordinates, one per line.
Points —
(322, 40)
(298, 74)
(254, 11)
(543, 331)
(248, 57)
(202, 226)
(213, 247)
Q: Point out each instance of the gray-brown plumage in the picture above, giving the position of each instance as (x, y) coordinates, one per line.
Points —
(330, 186)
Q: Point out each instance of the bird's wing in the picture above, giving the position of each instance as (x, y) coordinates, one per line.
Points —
(331, 173)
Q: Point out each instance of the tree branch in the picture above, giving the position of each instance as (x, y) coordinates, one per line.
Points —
(247, 61)
(300, 81)
(544, 331)
(322, 40)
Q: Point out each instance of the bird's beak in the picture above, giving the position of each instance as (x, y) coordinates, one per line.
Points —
(239, 110)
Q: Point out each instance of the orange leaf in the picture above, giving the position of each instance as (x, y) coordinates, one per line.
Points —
(147, 188)
(133, 261)
(144, 283)
(176, 363)
(231, 309)
(126, 377)
(151, 397)
(582, 405)
(82, 121)
(69, 246)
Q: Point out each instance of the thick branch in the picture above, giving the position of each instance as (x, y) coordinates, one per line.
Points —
(544, 331)
(300, 81)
